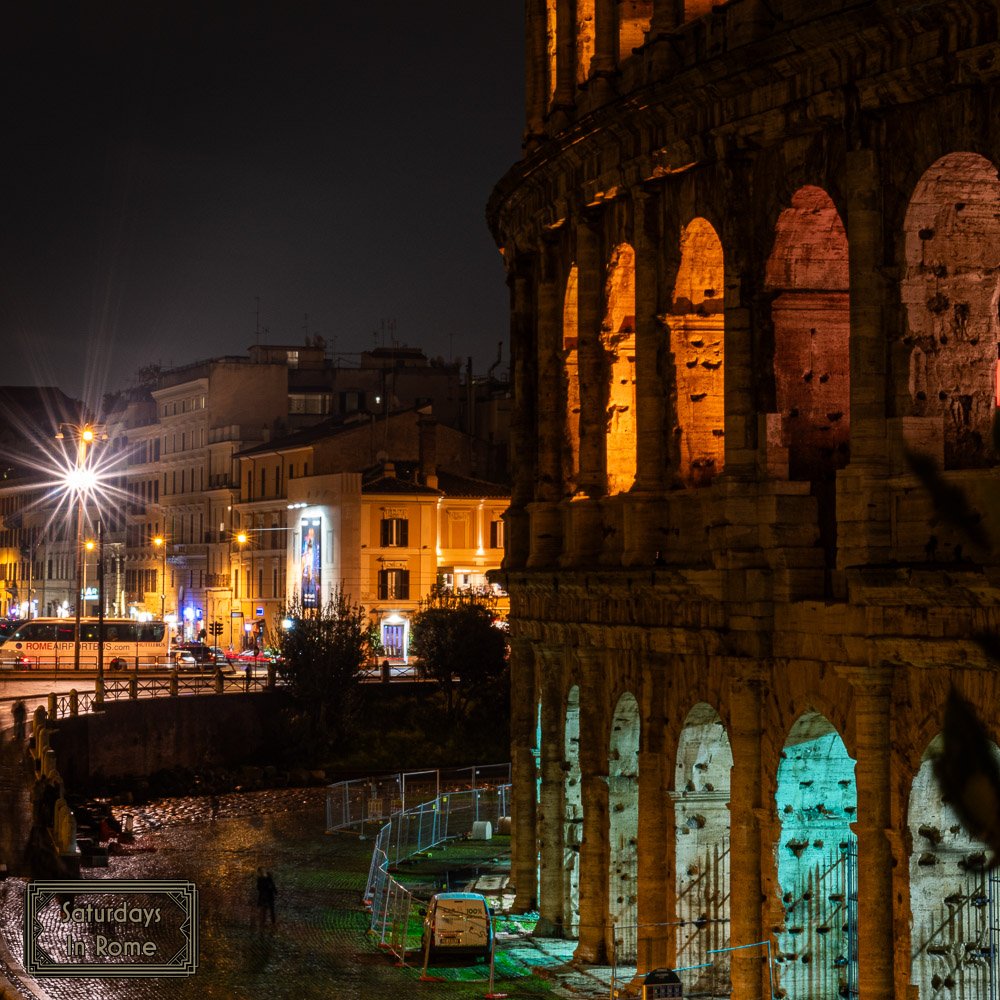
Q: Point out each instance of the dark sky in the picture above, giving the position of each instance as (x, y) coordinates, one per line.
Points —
(165, 162)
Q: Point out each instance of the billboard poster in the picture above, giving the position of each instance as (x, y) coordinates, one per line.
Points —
(312, 535)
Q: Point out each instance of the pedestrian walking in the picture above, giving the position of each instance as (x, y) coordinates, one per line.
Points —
(266, 893)
(18, 713)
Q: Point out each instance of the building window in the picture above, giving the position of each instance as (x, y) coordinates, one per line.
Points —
(393, 584)
(395, 531)
(496, 534)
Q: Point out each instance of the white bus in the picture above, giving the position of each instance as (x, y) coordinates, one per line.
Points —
(49, 644)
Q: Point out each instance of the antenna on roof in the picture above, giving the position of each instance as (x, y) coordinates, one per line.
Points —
(256, 334)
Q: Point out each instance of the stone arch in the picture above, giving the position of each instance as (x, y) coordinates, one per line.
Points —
(701, 805)
(633, 23)
(951, 291)
(949, 894)
(808, 273)
(618, 341)
(697, 330)
(623, 823)
(816, 801)
(572, 814)
(571, 376)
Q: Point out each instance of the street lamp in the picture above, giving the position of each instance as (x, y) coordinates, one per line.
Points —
(161, 544)
(241, 541)
(88, 546)
(80, 480)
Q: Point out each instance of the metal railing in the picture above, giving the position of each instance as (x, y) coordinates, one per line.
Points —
(449, 815)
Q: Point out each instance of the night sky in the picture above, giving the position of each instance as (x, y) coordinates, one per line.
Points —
(166, 162)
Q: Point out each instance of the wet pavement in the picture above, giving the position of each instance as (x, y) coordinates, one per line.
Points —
(319, 945)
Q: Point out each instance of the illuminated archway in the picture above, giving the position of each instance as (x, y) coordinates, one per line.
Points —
(808, 271)
(697, 331)
(949, 895)
(623, 834)
(572, 817)
(633, 23)
(951, 290)
(817, 802)
(618, 340)
(571, 377)
(701, 805)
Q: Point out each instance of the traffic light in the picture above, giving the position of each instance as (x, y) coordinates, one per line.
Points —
(215, 628)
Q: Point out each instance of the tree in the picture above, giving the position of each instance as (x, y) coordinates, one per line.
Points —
(455, 636)
(321, 656)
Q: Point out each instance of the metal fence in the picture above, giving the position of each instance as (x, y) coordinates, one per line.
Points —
(459, 799)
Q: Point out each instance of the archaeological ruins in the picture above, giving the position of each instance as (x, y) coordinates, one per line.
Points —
(753, 253)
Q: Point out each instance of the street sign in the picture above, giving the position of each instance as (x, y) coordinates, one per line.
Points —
(260, 611)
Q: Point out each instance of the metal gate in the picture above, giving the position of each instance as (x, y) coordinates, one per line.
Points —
(852, 915)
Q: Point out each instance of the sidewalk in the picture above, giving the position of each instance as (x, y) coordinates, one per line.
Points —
(319, 946)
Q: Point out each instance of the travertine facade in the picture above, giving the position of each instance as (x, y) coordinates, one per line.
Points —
(753, 252)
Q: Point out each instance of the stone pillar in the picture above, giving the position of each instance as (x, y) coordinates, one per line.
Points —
(551, 402)
(740, 276)
(667, 16)
(650, 387)
(536, 70)
(868, 292)
(565, 92)
(523, 421)
(592, 361)
(523, 848)
(872, 688)
(594, 849)
(548, 665)
(749, 967)
(656, 882)
(605, 60)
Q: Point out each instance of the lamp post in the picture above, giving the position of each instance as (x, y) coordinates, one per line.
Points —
(161, 544)
(241, 540)
(80, 479)
(88, 546)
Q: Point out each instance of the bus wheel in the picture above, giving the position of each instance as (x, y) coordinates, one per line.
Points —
(118, 664)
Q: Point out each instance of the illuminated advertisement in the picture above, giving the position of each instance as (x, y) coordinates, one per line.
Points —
(311, 561)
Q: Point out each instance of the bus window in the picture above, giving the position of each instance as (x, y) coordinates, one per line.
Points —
(151, 631)
(65, 633)
(88, 631)
(37, 632)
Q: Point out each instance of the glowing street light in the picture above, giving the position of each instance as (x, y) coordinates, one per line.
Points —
(80, 480)
(161, 544)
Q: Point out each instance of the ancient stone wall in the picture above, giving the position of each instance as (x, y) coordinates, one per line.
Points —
(753, 263)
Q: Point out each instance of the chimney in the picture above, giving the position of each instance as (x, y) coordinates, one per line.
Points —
(428, 451)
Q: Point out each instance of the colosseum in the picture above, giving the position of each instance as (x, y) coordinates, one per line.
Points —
(753, 253)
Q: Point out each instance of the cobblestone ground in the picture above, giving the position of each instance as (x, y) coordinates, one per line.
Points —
(319, 946)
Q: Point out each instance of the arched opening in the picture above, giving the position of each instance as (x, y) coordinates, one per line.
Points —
(808, 272)
(584, 39)
(572, 816)
(951, 290)
(951, 896)
(633, 23)
(571, 377)
(817, 802)
(697, 330)
(618, 340)
(701, 807)
(623, 812)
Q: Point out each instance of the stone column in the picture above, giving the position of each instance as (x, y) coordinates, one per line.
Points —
(740, 276)
(548, 664)
(605, 60)
(565, 92)
(592, 361)
(667, 16)
(523, 849)
(872, 720)
(536, 70)
(650, 385)
(594, 849)
(523, 352)
(656, 882)
(749, 968)
(868, 292)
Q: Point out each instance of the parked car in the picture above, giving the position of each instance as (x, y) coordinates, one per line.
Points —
(198, 656)
(458, 923)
